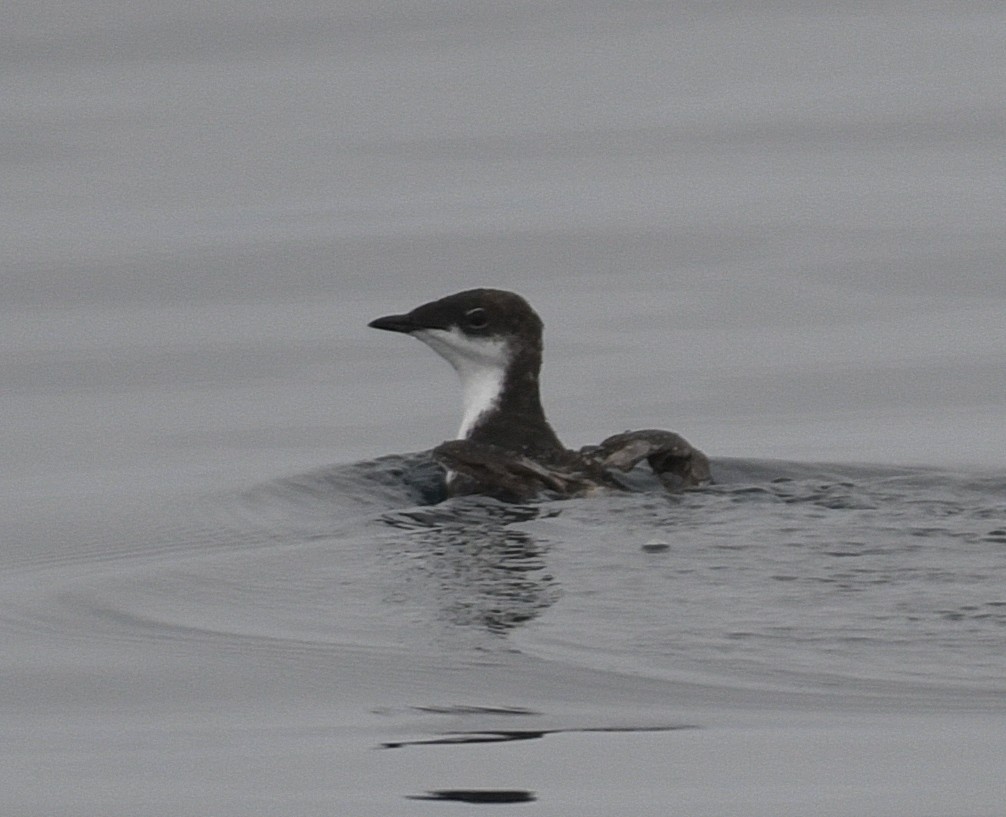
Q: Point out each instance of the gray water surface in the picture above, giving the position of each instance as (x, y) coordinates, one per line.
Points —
(776, 230)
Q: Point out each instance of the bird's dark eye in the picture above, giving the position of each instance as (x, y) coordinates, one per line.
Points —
(476, 318)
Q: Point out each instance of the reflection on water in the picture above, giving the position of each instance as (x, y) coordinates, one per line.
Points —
(476, 569)
(477, 796)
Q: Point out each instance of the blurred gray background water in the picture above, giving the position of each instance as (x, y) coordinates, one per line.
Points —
(777, 230)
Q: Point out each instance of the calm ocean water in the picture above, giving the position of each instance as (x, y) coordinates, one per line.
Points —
(777, 232)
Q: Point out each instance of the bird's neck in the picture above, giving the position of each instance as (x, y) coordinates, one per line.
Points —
(502, 406)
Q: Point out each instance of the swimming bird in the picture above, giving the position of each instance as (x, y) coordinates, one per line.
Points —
(505, 446)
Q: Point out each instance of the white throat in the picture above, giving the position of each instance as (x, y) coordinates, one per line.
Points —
(481, 366)
(480, 393)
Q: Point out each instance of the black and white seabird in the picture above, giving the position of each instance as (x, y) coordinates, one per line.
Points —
(505, 446)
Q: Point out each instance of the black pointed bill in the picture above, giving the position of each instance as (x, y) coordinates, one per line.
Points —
(395, 323)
